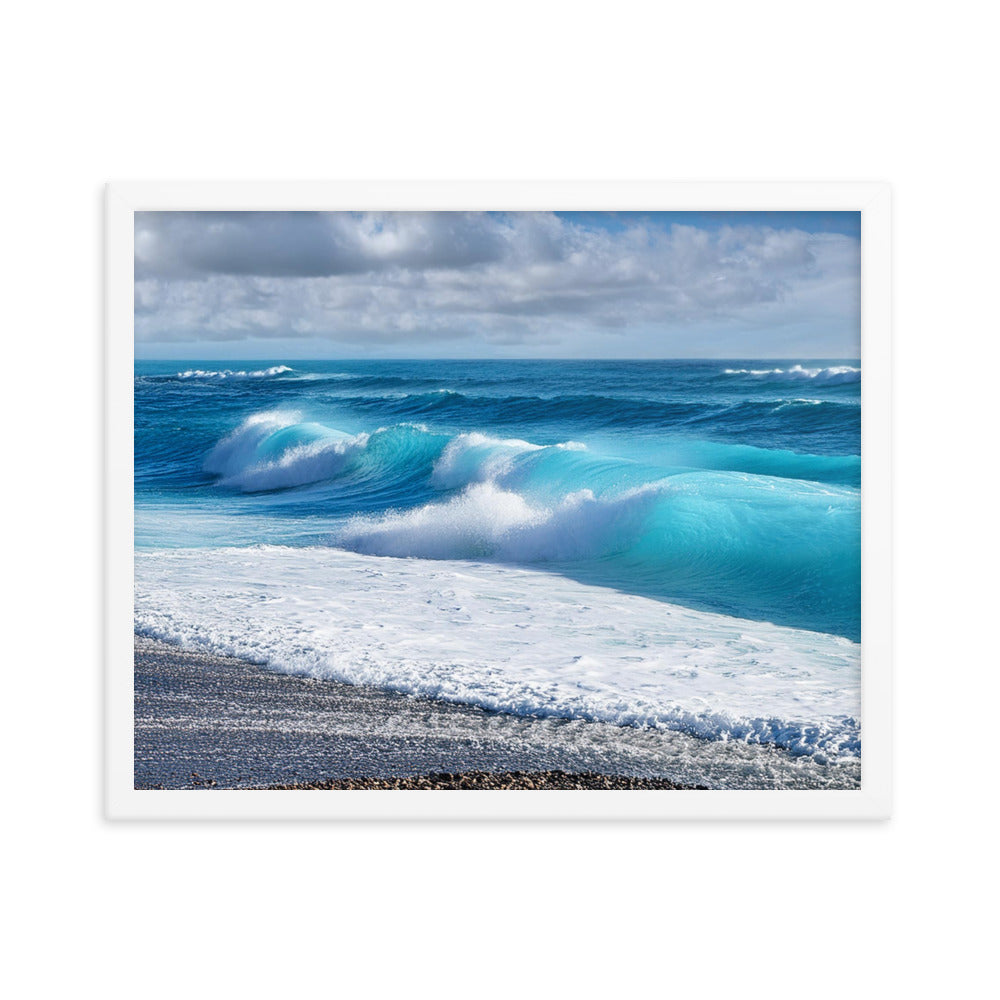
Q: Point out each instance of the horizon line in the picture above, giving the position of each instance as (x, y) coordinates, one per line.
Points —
(758, 357)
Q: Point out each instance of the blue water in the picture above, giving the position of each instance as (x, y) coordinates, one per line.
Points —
(730, 486)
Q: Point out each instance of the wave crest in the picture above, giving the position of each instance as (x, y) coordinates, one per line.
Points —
(274, 450)
(488, 522)
(198, 373)
(478, 458)
(836, 375)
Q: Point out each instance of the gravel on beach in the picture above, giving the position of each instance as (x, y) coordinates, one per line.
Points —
(485, 780)
(204, 721)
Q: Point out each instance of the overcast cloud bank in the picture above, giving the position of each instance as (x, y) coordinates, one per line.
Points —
(454, 284)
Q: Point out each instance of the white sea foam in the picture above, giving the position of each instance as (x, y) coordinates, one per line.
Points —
(299, 466)
(512, 640)
(479, 458)
(835, 375)
(488, 522)
(255, 457)
(239, 450)
(229, 373)
(792, 403)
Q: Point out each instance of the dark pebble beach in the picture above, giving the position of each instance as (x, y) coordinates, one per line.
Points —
(535, 780)
(204, 721)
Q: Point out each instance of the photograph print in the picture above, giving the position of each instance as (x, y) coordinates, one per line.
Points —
(497, 500)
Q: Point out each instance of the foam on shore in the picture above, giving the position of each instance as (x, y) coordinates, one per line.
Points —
(519, 641)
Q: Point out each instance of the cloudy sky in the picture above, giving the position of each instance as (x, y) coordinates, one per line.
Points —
(238, 285)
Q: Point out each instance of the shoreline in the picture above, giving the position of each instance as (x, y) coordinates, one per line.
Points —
(526, 641)
(217, 722)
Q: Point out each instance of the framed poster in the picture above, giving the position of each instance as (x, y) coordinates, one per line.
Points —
(571, 499)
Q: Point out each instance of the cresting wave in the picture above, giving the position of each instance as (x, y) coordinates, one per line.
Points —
(277, 450)
(487, 522)
(274, 450)
(839, 374)
(751, 541)
(198, 373)
(518, 641)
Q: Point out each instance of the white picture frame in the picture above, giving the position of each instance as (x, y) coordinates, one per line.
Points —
(871, 801)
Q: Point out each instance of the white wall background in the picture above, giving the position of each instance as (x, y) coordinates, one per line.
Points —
(728, 91)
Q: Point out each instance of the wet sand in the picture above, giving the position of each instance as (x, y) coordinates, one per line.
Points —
(206, 721)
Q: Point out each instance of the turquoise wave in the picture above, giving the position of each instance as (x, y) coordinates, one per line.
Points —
(697, 483)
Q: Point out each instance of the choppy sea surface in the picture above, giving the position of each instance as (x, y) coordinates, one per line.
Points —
(670, 544)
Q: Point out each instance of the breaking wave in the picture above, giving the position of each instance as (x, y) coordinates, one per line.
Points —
(528, 643)
(655, 525)
(838, 374)
(229, 373)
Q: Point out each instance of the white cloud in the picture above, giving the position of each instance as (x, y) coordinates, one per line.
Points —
(404, 283)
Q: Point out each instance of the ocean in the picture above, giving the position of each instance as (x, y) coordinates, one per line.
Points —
(662, 544)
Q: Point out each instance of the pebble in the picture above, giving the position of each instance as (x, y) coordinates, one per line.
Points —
(534, 780)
